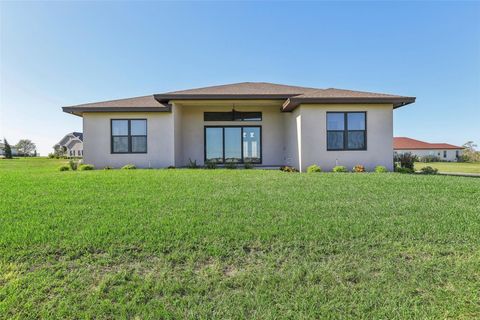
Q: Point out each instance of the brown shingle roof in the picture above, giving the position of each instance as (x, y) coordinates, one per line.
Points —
(341, 93)
(144, 103)
(292, 95)
(243, 88)
(404, 143)
(332, 95)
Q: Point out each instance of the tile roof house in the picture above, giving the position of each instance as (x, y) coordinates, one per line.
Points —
(263, 123)
(444, 151)
(73, 144)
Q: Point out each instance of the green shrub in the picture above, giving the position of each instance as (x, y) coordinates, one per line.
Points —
(406, 160)
(380, 169)
(314, 168)
(404, 170)
(340, 169)
(358, 168)
(469, 157)
(192, 164)
(429, 170)
(129, 167)
(63, 168)
(248, 165)
(288, 169)
(51, 155)
(73, 165)
(209, 164)
(171, 167)
(230, 165)
(85, 167)
(107, 168)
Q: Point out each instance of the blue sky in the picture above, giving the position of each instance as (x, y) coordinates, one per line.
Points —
(64, 53)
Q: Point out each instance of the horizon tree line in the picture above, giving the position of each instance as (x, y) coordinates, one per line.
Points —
(25, 148)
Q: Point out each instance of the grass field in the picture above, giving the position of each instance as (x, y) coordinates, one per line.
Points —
(233, 244)
(458, 167)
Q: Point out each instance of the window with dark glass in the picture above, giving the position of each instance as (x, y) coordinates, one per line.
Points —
(233, 144)
(346, 131)
(232, 116)
(129, 136)
(444, 153)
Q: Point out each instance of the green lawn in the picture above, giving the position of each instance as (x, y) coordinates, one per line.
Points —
(458, 167)
(234, 244)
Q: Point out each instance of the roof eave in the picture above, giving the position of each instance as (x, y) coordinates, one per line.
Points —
(73, 110)
(433, 148)
(293, 102)
(78, 111)
(163, 98)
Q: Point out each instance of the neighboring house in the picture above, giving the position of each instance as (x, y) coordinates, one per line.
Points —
(444, 151)
(263, 123)
(2, 152)
(73, 143)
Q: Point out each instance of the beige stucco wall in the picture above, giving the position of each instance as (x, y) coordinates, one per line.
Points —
(160, 141)
(296, 138)
(178, 135)
(192, 128)
(292, 137)
(451, 154)
(314, 137)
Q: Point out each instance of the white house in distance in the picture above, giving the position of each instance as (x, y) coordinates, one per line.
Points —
(261, 123)
(444, 151)
(2, 151)
(73, 142)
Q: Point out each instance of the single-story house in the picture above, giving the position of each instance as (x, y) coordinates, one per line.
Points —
(261, 123)
(72, 143)
(443, 151)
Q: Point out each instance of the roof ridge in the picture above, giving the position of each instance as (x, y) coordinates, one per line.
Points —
(241, 83)
(197, 88)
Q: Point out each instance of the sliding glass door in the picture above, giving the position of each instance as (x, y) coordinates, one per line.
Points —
(251, 144)
(233, 144)
(214, 144)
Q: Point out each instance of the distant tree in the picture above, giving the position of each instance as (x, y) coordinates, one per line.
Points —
(25, 147)
(470, 145)
(35, 153)
(59, 151)
(7, 149)
(470, 152)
